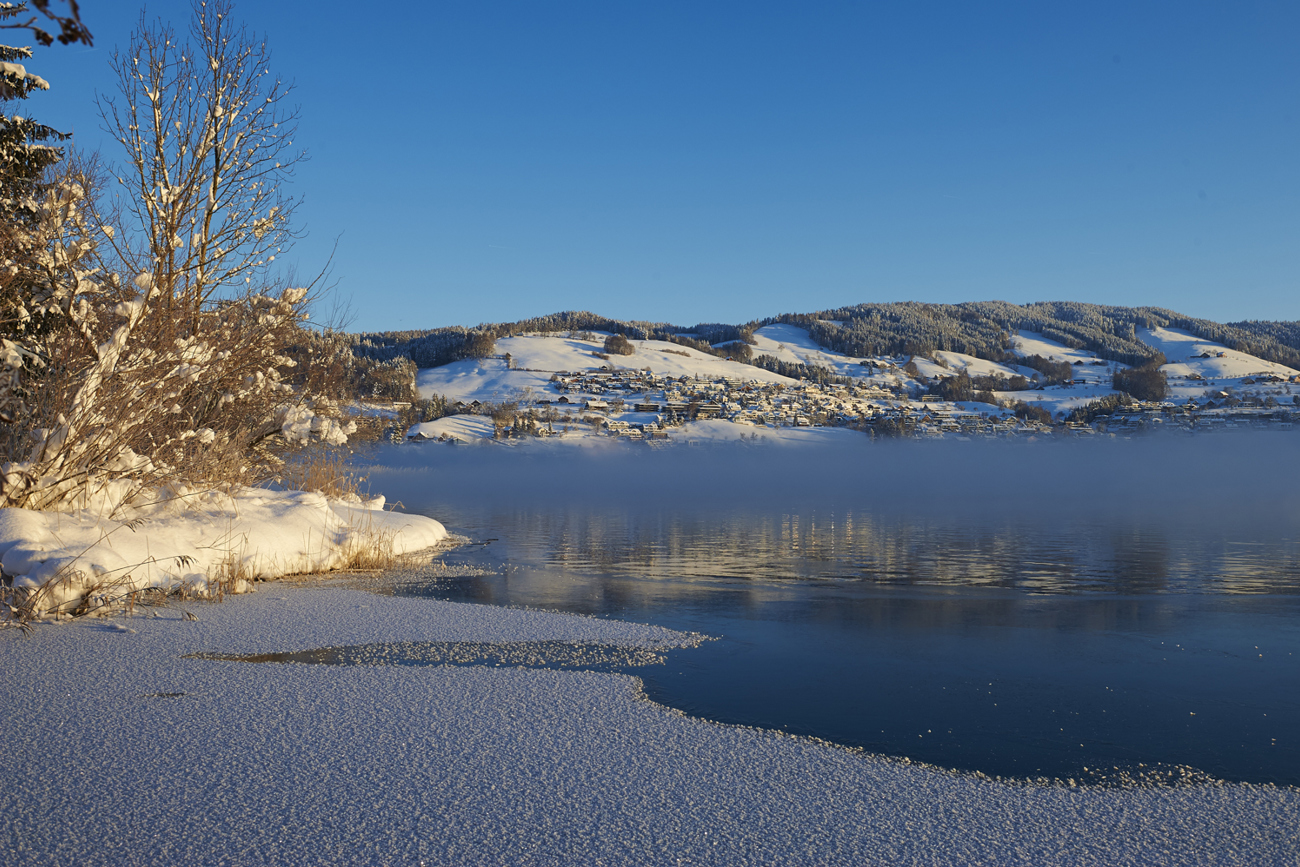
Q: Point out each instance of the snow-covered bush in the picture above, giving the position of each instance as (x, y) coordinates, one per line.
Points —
(147, 340)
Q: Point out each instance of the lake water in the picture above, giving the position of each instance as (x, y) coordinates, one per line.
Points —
(910, 609)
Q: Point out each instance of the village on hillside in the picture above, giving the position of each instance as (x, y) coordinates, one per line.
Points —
(662, 393)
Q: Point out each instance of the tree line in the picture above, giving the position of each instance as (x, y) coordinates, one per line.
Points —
(982, 329)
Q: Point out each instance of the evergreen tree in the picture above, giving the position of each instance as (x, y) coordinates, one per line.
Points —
(26, 156)
(24, 152)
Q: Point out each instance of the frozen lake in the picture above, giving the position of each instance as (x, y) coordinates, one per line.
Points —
(1052, 625)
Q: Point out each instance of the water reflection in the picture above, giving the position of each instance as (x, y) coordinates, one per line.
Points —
(891, 549)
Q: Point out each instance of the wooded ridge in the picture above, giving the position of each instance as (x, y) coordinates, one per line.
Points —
(980, 328)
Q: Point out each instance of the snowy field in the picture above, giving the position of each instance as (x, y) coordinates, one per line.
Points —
(1187, 354)
(1027, 343)
(121, 752)
(792, 344)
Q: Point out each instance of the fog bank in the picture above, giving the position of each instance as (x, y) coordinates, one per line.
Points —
(1241, 478)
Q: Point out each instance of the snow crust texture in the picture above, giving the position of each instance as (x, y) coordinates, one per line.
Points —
(119, 751)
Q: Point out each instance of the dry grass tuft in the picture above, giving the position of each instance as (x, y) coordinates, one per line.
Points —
(71, 594)
(324, 470)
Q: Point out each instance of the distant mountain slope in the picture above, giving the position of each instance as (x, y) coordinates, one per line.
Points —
(438, 346)
(982, 329)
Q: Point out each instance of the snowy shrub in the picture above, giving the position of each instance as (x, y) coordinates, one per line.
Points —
(143, 338)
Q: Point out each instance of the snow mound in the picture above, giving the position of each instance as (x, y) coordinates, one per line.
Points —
(202, 542)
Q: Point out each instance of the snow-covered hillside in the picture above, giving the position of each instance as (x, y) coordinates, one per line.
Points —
(533, 359)
(1189, 355)
(1087, 366)
(792, 344)
(664, 391)
(1091, 382)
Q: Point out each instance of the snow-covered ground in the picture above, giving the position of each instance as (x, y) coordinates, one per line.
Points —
(958, 362)
(197, 540)
(120, 751)
(1212, 361)
(1093, 380)
(792, 344)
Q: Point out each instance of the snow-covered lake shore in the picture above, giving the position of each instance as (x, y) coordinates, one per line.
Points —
(121, 751)
(202, 543)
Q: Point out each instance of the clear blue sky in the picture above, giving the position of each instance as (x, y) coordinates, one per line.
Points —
(721, 161)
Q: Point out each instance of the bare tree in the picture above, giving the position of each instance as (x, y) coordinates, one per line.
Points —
(209, 134)
(183, 370)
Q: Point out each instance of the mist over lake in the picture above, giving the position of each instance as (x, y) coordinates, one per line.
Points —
(1232, 479)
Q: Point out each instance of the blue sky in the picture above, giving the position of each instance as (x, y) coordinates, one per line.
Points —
(717, 161)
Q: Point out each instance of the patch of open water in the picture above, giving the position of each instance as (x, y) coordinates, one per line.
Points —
(1000, 671)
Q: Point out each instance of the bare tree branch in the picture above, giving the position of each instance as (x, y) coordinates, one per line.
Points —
(71, 28)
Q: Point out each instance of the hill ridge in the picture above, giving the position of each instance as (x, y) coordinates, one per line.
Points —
(979, 328)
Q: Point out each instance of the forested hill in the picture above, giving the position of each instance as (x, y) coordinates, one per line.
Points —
(980, 328)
